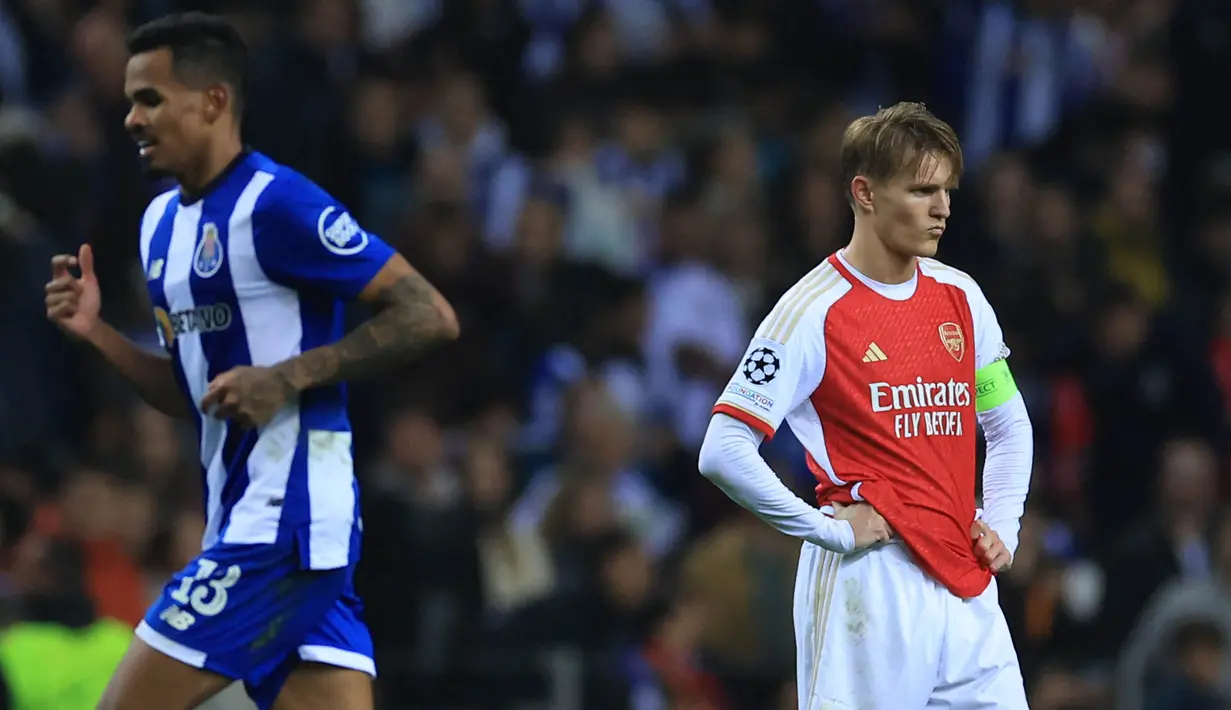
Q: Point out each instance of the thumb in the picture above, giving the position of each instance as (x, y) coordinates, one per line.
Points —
(85, 258)
(213, 396)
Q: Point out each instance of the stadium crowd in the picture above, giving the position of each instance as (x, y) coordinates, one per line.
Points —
(613, 194)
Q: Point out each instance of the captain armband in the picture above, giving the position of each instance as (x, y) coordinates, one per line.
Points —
(994, 386)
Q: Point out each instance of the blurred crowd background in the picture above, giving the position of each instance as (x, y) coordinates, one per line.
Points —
(612, 194)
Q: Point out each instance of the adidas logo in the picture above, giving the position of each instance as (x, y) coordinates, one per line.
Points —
(875, 354)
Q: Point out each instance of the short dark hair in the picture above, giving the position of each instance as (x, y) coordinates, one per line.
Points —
(204, 49)
(1198, 634)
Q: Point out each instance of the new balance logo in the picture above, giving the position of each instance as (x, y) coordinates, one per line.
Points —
(874, 354)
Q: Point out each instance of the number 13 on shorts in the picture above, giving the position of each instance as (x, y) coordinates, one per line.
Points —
(202, 592)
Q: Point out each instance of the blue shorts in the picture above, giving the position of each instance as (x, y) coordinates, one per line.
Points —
(253, 612)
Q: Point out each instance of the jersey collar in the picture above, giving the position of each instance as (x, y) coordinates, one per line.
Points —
(894, 292)
(187, 198)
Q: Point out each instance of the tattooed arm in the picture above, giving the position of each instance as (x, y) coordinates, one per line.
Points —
(411, 317)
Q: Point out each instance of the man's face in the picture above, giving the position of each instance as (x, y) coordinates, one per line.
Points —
(168, 120)
(910, 211)
(641, 130)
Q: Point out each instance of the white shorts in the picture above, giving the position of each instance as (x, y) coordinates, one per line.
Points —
(874, 632)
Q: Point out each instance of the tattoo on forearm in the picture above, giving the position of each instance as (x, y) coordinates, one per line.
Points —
(408, 323)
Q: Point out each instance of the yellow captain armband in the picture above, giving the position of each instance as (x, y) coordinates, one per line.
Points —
(994, 386)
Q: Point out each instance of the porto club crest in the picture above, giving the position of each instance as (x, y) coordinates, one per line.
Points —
(207, 259)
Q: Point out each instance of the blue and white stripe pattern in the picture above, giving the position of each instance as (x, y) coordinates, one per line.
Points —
(254, 272)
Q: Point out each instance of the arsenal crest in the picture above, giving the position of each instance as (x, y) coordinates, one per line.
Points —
(953, 340)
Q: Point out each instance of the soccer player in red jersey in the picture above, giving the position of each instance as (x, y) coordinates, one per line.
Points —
(882, 360)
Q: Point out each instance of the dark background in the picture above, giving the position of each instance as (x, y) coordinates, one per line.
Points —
(612, 194)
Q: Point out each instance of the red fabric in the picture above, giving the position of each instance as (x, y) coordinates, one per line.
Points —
(901, 433)
(687, 685)
(746, 417)
(1072, 431)
(1220, 360)
(114, 580)
(1072, 426)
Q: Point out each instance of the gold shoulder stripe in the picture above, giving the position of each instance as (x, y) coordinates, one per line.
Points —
(792, 296)
(945, 267)
(791, 309)
(798, 314)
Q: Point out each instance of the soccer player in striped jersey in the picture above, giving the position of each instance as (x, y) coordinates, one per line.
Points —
(882, 360)
(248, 266)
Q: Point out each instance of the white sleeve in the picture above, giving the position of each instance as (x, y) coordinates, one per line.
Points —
(730, 457)
(1010, 437)
(989, 338)
(1007, 467)
(776, 375)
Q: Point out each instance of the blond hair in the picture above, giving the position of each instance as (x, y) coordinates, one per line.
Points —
(895, 140)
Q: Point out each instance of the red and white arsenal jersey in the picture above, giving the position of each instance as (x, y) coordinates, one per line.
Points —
(878, 383)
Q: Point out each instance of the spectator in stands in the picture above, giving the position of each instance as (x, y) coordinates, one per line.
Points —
(611, 193)
(515, 565)
(60, 655)
(1193, 614)
(737, 574)
(600, 459)
(1196, 675)
(1172, 544)
(674, 673)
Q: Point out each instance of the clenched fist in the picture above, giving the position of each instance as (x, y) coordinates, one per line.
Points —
(73, 303)
(249, 396)
(989, 548)
(870, 527)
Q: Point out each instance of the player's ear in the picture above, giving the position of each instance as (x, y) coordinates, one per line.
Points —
(217, 102)
(861, 193)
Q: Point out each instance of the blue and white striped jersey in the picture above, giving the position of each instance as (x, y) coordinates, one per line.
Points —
(255, 271)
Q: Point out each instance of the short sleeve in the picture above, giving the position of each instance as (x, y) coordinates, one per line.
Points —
(307, 240)
(773, 379)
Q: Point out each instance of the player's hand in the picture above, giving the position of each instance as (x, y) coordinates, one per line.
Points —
(989, 548)
(73, 303)
(249, 396)
(870, 527)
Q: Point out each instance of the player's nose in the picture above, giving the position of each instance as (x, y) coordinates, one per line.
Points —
(135, 121)
(940, 206)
